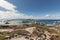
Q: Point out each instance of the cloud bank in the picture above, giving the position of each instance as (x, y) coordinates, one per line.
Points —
(11, 12)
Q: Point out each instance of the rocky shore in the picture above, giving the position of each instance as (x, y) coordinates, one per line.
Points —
(34, 34)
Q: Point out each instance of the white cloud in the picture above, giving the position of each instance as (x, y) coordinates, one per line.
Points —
(51, 16)
(47, 15)
(7, 5)
(12, 13)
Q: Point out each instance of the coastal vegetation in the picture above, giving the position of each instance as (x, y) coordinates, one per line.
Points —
(21, 30)
(3, 27)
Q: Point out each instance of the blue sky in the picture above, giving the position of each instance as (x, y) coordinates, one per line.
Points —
(38, 8)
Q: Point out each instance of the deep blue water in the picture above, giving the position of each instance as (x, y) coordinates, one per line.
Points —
(48, 21)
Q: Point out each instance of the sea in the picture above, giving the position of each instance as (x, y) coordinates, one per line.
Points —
(45, 21)
(49, 21)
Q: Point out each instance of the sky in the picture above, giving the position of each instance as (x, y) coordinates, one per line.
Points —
(30, 9)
